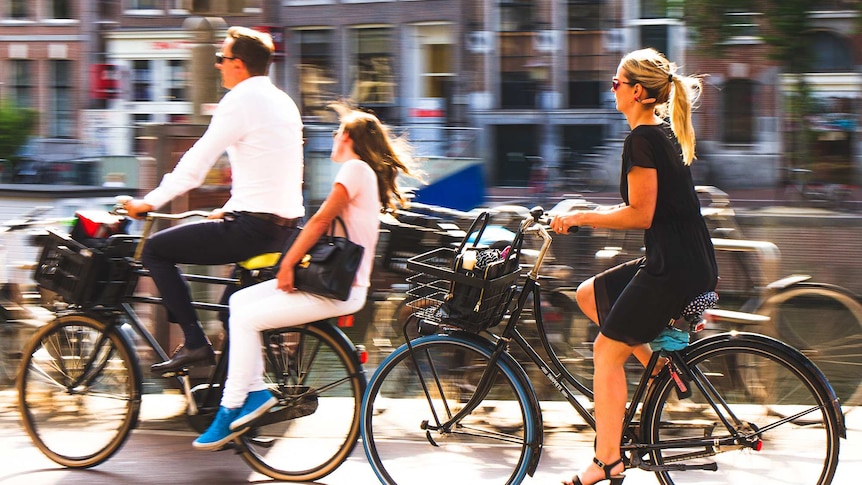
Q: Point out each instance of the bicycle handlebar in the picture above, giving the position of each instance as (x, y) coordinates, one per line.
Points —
(538, 223)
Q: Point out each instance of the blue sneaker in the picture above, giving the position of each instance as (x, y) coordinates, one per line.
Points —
(219, 433)
(256, 405)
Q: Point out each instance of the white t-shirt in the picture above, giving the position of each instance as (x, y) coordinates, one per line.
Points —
(361, 216)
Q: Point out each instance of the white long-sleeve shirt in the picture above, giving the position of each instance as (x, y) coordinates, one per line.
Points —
(260, 128)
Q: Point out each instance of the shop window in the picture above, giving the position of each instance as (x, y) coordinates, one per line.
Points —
(317, 81)
(21, 82)
(61, 116)
(830, 52)
(584, 14)
(142, 81)
(177, 80)
(738, 111)
(516, 15)
(60, 9)
(373, 69)
(19, 9)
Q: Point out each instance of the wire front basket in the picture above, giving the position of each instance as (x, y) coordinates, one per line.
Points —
(445, 293)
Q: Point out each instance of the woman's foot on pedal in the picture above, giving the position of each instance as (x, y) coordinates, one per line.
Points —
(219, 432)
(599, 472)
(256, 404)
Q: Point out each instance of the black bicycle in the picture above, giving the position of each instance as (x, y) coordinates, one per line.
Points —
(80, 383)
(730, 408)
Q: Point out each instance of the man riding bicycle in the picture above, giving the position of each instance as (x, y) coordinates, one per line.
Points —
(260, 128)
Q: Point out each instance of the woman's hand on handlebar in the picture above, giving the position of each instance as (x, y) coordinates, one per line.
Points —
(566, 223)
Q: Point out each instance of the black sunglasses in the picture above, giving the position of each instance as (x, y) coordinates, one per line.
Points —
(221, 57)
(615, 84)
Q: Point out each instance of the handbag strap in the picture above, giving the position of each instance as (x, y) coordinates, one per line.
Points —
(478, 227)
(339, 220)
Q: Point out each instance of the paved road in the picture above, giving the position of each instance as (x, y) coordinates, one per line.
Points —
(160, 452)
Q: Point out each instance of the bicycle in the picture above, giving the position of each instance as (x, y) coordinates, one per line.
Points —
(22, 310)
(708, 416)
(814, 193)
(786, 307)
(581, 173)
(80, 383)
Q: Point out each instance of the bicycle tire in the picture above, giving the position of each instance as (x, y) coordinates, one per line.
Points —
(79, 390)
(797, 446)
(315, 426)
(824, 322)
(499, 432)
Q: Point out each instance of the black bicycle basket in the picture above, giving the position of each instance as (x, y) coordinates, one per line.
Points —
(468, 287)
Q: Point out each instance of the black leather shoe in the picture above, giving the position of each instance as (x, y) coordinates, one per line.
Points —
(184, 357)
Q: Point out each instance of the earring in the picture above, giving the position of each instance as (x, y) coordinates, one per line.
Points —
(637, 99)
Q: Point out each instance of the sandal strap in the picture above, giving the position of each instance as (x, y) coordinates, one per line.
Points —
(606, 467)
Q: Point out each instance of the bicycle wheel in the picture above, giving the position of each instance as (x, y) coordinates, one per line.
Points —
(788, 431)
(401, 429)
(79, 391)
(315, 425)
(825, 324)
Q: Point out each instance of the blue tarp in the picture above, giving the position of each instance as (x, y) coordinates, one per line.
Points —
(462, 190)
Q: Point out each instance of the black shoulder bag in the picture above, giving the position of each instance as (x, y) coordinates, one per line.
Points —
(330, 266)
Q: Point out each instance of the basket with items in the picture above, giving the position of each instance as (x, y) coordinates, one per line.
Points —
(92, 265)
(469, 287)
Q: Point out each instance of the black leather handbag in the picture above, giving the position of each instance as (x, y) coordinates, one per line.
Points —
(329, 267)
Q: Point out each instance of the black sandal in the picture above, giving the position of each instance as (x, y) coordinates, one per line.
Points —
(614, 480)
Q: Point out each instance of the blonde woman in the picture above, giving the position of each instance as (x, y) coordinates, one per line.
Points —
(633, 302)
(365, 184)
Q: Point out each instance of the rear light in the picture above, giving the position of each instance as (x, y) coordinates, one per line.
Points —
(362, 354)
(345, 321)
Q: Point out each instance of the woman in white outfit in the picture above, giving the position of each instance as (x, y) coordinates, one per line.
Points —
(371, 160)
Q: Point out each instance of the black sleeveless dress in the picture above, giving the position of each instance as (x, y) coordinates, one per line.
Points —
(637, 299)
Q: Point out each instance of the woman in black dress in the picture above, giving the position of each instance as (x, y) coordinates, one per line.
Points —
(633, 302)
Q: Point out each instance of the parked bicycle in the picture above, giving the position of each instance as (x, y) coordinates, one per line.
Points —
(822, 320)
(582, 173)
(814, 193)
(455, 395)
(21, 306)
(80, 383)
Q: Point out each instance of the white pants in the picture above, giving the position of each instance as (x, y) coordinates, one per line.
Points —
(262, 307)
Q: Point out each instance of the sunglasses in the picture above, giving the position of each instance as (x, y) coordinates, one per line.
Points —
(221, 57)
(615, 84)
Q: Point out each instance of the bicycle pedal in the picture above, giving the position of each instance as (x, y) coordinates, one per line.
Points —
(177, 373)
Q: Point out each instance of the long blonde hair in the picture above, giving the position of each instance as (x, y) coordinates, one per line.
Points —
(388, 156)
(675, 94)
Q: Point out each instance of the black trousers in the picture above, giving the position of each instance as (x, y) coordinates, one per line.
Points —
(213, 242)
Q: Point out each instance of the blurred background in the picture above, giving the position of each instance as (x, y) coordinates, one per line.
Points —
(507, 103)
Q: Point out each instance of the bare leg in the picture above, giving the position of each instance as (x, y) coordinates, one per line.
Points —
(611, 395)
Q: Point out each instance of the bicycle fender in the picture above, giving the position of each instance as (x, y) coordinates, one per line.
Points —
(342, 339)
(788, 281)
(794, 356)
(508, 360)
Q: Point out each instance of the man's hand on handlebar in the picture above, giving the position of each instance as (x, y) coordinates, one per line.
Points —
(217, 214)
(137, 209)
